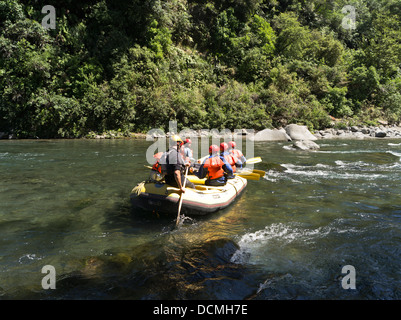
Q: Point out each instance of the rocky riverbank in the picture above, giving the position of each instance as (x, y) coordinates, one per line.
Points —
(360, 132)
(292, 132)
(302, 138)
(297, 132)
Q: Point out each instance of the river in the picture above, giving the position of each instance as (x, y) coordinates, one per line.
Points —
(65, 203)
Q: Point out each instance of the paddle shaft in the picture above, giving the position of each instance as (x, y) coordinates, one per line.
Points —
(181, 198)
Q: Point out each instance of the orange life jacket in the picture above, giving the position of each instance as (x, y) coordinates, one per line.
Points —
(214, 165)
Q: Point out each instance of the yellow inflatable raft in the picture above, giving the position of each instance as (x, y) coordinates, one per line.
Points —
(160, 197)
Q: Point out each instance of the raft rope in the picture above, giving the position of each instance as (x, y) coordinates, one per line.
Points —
(138, 189)
(236, 191)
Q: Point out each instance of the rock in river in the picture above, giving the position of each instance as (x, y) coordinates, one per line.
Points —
(271, 135)
(297, 132)
(306, 145)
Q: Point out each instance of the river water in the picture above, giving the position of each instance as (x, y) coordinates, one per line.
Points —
(65, 203)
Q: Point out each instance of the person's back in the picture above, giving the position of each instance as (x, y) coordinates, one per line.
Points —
(173, 165)
(174, 162)
(216, 167)
(236, 152)
(188, 153)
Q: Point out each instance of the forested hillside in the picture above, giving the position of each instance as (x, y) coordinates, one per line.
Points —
(133, 65)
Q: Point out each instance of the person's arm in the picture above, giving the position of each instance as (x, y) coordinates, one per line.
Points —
(201, 172)
(227, 167)
(237, 161)
(203, 169)
(241, 157)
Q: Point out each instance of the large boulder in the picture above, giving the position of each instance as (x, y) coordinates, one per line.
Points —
(305, 145)
(297, 132)
(271, 135)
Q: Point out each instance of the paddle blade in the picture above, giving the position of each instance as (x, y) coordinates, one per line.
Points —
(254, 160)
(259, 172)
(248, 175)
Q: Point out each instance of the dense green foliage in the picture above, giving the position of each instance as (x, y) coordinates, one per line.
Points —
(133, 65)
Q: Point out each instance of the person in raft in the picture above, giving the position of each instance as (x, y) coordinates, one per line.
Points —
(173, 165)
(188, 153)
(156, 171)
(236, 152)
(216, 167)
(230, 158)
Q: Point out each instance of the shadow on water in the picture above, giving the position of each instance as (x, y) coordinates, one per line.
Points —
(161, 269)
(188, 262)
(132, 220)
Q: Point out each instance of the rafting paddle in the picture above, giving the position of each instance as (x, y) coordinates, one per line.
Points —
(181, 197)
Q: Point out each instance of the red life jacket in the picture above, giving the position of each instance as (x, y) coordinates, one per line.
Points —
(214, 165)
(232, 160)
(157, 167)
(237, 153)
